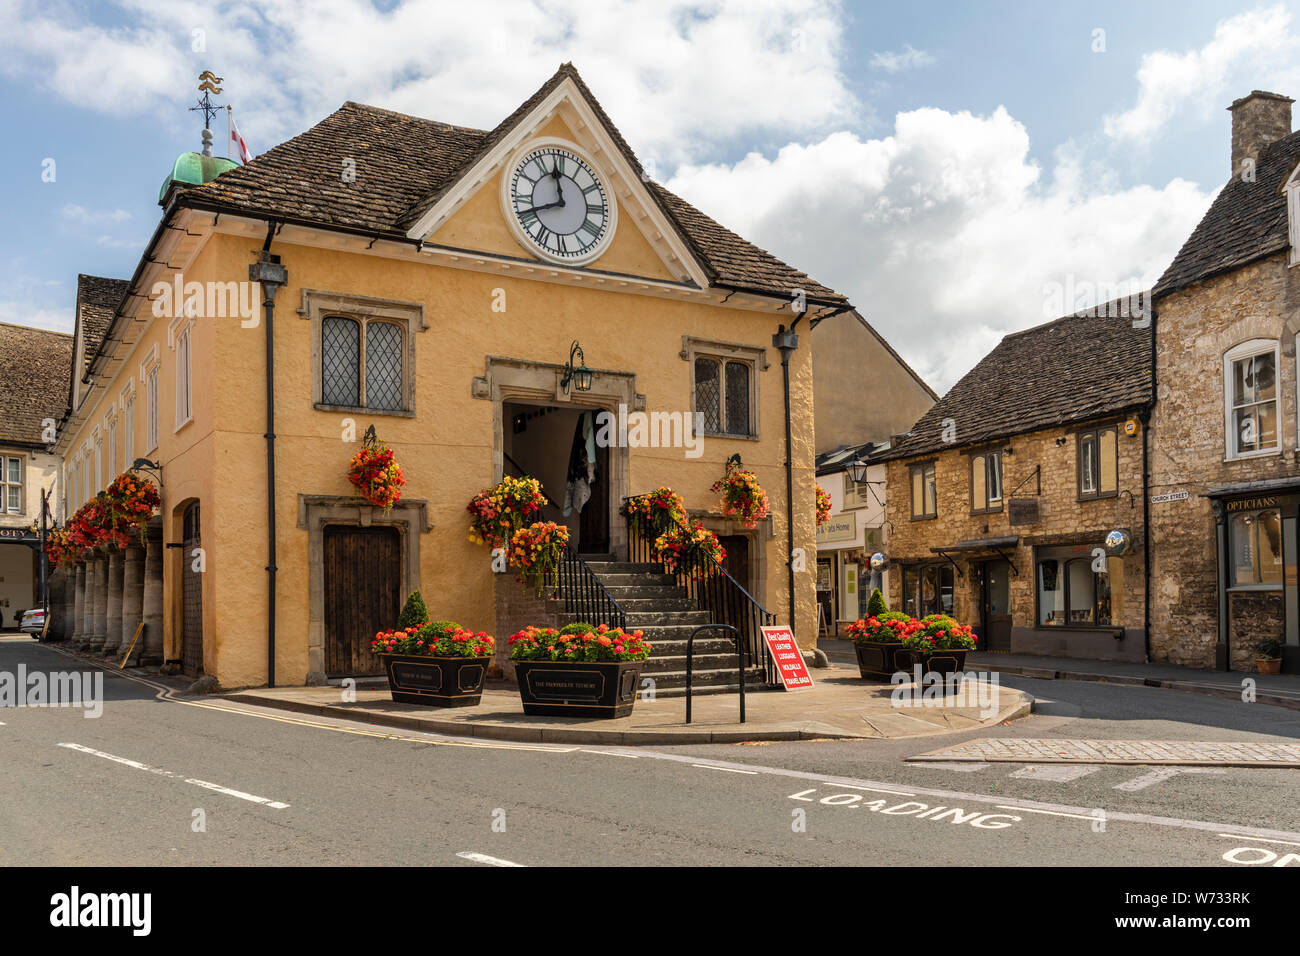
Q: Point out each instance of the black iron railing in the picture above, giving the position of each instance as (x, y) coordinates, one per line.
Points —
(584, 596)
(711, 588)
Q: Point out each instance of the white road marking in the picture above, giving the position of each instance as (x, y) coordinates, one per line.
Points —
(1237, 836)
(705, 766)
(483, 858)
(252, 798)
(1055, 773)
(611, 753)
(1159, 775)
(958, 767)
(1052, 813)
(892, 793)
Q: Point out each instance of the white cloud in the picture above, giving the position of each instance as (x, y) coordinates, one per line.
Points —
(679, 76)
(80, 214)
(905, 59)
(945, 234)
(1253, 50)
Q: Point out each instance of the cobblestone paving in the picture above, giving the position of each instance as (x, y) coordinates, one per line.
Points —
(1177, 752)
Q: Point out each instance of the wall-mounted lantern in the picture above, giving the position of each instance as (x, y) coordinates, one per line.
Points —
(857, 470)
(579, 375)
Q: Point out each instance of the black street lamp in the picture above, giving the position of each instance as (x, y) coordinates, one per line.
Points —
(857, 470)
(580, 375)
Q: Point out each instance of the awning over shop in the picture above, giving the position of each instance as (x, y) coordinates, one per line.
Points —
(998, 546)
(1253, 487)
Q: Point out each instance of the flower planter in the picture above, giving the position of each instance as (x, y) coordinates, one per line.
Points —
(878, 658)
(1268, 665)
(595, 689)
(936, 662)
(436, 681)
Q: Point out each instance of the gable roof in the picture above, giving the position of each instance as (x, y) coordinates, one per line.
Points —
(1073, 369)
(1247, 221)
(98, 300)
(405, 164)
(34, 365)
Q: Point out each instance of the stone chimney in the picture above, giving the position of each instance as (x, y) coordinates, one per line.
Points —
(1257, 120)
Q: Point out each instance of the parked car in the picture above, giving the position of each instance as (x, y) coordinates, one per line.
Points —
(33, 621)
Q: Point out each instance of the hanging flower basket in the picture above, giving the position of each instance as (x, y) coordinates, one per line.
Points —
(653, 510)
(375, 473)
(823, 506)
(742, 498)
(683, 545)
(536, 551)
(498, 512)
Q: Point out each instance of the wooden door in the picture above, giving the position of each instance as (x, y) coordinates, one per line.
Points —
(363, 572)
(995, 612)
(191, 594)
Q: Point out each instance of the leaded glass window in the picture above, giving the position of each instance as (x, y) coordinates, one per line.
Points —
(724, 393)
(362, 363)
(737, 393)
(383, 366)
(340, 361)
(708, 393)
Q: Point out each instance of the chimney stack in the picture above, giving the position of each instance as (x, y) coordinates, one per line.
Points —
(1257, 120)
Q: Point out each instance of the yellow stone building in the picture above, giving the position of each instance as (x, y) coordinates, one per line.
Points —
(428, 281)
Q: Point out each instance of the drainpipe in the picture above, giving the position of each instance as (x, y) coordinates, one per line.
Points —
(785, 341)
(270, 275)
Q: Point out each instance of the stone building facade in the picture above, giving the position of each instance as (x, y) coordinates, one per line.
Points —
(1225, 467)
(1002, 497)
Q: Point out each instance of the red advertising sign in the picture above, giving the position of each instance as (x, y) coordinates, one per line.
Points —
(789, 659)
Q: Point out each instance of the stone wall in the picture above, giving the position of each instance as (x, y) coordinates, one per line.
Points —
(1063, 520)
(1253, 616)
(1195, 327)
(517, 606)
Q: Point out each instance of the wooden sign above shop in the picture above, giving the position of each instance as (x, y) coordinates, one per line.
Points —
(1022, 510)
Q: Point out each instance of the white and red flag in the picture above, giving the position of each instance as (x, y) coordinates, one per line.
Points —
(236, 140)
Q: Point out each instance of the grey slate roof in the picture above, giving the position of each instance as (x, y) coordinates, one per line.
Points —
(1073, 369)
(1247, 221)
(34, 366)
(404, 164)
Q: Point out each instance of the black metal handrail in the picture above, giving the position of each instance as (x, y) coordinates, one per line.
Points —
(585, 598)
(740, 655)
(711, 586)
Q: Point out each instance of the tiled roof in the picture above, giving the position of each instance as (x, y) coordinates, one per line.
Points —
(1071, 370)
(837, 459)
(34, 366)
(404, 164)
(97, 300)
(1246, 221)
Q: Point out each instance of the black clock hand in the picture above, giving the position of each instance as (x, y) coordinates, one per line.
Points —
(549, 205)
(559, 190)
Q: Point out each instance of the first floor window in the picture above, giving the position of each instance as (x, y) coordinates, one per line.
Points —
(986, 481)
(1071, 594)
(112, 447)
(1250, 388)
(128, 431)
(1255, 540)
(927, 589)
(184, 409)
(361, 363)
(11, 485)
(1098, 463)
(923, 491)
(151, 409)
(724, 394)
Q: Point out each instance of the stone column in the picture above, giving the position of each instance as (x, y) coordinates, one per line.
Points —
(54, 600)
(78, 578)
(88, 606)
(114, 633)
(132, 602)
(99, 627)
(152, 600)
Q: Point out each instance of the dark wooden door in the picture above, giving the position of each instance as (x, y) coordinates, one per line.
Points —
(191, 594)
(363, 569)
(593, 521)
(995, 611)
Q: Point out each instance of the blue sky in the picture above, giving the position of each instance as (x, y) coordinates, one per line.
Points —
(944, 165)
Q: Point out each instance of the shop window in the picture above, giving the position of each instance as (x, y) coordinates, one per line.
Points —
(1098, 463)
(11, 485)
(928, 589)
(986, 482)
(1072, 594)
(923, 491)
(1255, 541)
(1250, 399)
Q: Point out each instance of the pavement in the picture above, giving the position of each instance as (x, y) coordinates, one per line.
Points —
(1280, 690)
(840, 705)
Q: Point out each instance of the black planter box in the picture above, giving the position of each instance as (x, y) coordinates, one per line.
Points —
(568, 689)
(436, 681)
(939, 662)
(878, 659)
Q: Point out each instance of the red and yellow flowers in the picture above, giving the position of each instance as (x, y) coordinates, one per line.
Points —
(434, 639)
(663, 505)
(578, 643)
(376, 475)
(498, 512)
(823, 506)
(116, 516)
(742, 498)
(536, 551)
(677, 546)
(937, 632)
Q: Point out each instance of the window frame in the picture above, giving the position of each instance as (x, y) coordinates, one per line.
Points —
(127, 401)
(1240, 352)
(1255, 525)
(723, 352)
(988, 455)
(1063, 562)
(182, 346)
(923, 467)
(914, 574)
(6, 484)
(318, 305)
(1095, 432)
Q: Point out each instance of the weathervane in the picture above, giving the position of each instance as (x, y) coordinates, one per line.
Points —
(208, 86)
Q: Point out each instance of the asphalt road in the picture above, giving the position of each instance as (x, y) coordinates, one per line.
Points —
(156, 781)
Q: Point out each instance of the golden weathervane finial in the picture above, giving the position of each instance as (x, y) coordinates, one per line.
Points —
(208, 82)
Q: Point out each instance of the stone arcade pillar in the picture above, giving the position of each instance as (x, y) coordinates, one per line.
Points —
(99, 627)
(153, 600)
(113, 636)
(132, 602)
(56, 616)
(87, 605)
(77, 577)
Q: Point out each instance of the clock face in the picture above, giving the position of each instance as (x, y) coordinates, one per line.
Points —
(560, 204)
